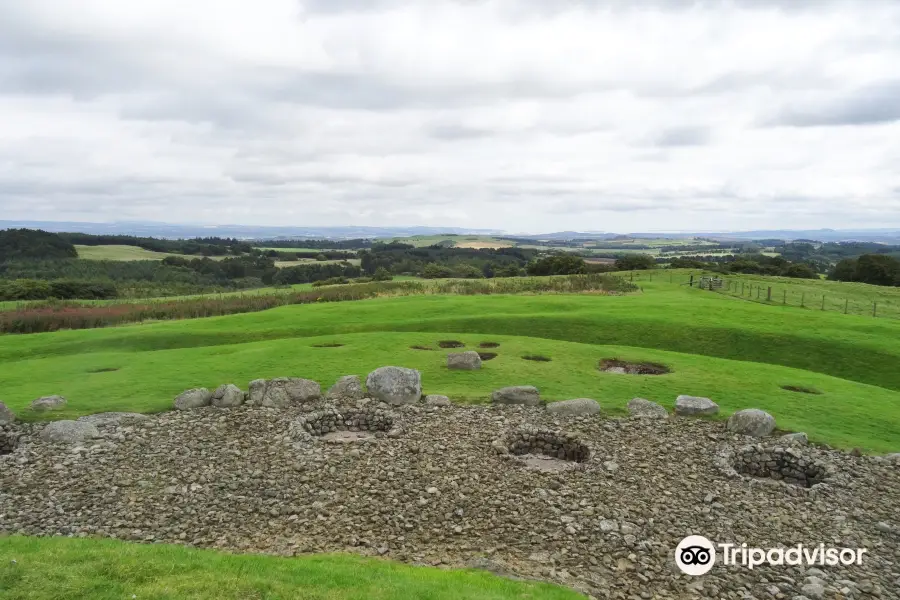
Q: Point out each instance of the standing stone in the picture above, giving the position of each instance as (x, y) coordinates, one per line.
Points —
(348, 387)
(7, 416)
(517, 394)
(577, 407)
(257, 392)
(282, 392)
(395, 385)
(689, 406)
(464, 361)
(227, 395)
(639, 408)
(194, 398)
(437, 400)
(69, 432)
(752, 421)
(49, 403)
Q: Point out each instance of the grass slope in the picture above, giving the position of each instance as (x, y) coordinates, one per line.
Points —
(846, 413)
(91, 569)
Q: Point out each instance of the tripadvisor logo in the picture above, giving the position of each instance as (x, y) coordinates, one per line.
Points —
(696, 555)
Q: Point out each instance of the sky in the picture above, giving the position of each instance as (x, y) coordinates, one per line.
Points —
(517, 115)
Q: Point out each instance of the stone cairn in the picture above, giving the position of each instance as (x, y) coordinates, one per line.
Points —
(555, 444)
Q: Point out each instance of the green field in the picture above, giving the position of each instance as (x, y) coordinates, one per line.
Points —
(119, 253)
(459, 241)
(296, 250)
(40, 568)
(849, 358)
(282, 264)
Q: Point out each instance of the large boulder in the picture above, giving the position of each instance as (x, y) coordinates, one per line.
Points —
(227, 396)
(464, 361)
(577, 407)
(517, 394)
(437, 400)
(395, 385)
(194, 398)
(69, 432)
(46, 403)
(639, 408)
(348, 387)
(690, 406)
(7, 416)
(112, 418)
(257, 392)
(282, 392)
(752, 421)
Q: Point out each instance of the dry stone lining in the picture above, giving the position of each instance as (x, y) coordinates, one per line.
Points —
(621, 367)
(555, 444)
(781, 464)
(330, 420)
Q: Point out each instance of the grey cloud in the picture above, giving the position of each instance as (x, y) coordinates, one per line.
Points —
(683, 136)
(866, 106)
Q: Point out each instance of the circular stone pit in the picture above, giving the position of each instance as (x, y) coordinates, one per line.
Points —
(489, 345)
(800, 389)
(451, 344)
(352, 425)
(537, 358)
(545, 449)
(621, 367)
(781, 464)
(487, 355)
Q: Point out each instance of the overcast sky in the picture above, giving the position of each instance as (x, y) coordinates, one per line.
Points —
(521, 115)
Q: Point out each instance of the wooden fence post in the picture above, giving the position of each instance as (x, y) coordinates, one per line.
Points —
(823, 301)
(769, 295)
(802, 298)
(784, 297)
(846, 303)
(742, 288)
(874, 308)
(759, 287)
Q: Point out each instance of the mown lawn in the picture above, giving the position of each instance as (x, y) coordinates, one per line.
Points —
(91, 569)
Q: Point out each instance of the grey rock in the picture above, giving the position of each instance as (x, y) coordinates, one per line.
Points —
(752, 422)
(465, 361)
(576, 407)
(348, 387)
(7, 416)
(799, 439)
(112, 418)
(640, 408)
(68, 432)
(437, 400)
(194, 398)
(257, 392)
(688, 406)
(395, 385)
(518, 394)
(227, 395)
(46, 403)
(813, 591)
(283, 392)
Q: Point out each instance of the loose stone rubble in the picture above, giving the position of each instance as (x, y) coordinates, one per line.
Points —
(434, 489)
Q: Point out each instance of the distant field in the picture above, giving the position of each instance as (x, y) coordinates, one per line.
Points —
(459, 241)
(317, 250)
(281, 264)
(119, 253)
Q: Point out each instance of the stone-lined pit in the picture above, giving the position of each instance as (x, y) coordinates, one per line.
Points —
(800, 389)
(614, 365)
(9, 441)
(555, 444)
(537, 358)
(487, 355)
(451, 344)
(781, 464)
(420, 348)
(331, 420)
(489, 345)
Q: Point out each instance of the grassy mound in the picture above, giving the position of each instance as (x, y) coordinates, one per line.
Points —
(92, 569)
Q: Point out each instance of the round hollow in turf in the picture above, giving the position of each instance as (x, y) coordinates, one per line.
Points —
(801, 389)
(103, 370)
(487, 355)
(451, 344)
(537, 357)
(489, 344)
(420, 348)
(614, 365)
(328, 345)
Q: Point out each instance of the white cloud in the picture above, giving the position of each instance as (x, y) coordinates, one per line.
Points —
(504, 114)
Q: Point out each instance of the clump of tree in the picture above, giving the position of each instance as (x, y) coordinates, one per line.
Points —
(310, 273)
(33, 289)
(208, 246)
(403, 259)
(635, 262)
(557, 264)
(875, 269)
(18, 244)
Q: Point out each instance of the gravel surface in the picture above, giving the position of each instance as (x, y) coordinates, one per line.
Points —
(436, 490)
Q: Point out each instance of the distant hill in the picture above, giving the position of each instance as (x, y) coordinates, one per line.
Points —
(247, 232)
